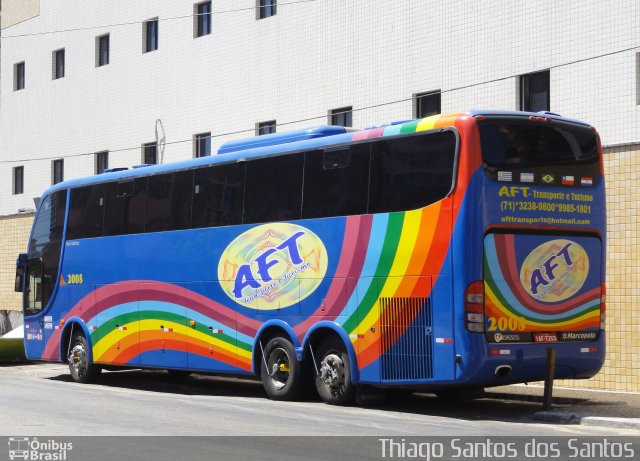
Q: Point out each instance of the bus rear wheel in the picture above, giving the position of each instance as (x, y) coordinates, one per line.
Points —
(280, 371)
(80, 366)
(333, 381)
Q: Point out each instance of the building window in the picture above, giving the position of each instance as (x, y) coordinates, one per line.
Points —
(150, 153)
(102, 161)
(102, 50)
(58, 64)
(150, 35)
(57, 171)
(426, 104)
(18, 76)
(267, 8)
(265, 127)
(202, 145)
(18, 180)
(202, 18)
(341, 117)
(535, 92)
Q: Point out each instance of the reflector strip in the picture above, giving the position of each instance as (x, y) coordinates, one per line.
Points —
(167, 330)
(588, 349)
(500, 352)
(444, 340)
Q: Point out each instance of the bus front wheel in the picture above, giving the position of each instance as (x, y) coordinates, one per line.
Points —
(280, 371)
(333, 380)
(80, 366)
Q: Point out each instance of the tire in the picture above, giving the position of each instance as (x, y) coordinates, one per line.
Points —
(281, 373)
(333, 382)
(80, 367)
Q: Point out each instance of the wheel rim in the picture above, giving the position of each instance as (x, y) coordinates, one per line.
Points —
(332, 371)
(78, 358)
(279, 367)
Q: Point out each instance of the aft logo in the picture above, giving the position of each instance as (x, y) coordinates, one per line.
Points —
(514, 191)
(33, 449)
(555, 270)
(273, 266)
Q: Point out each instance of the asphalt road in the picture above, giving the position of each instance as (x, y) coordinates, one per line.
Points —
(42, 400)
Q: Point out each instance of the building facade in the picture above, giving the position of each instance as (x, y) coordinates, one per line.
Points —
(89, 84)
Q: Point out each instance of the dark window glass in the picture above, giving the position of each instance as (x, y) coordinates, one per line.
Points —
(103, 50)
(411, 172)
(44, 246)
(267, 8)
(218, 195)
(102, 161)
(86, 212)
(274, 189)
(169, 201)
(342, 116)
(427, 104)
(19, 77)
(58, 171)
(150, 153)
(203, 19)
(58, 64)
(203, 144)
(534, 89)
(336, 182)
(266, 128)
(125, 207)
(533, 147)
(151, 35)
(18, 180)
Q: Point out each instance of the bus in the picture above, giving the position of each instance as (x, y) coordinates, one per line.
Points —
(443, 254)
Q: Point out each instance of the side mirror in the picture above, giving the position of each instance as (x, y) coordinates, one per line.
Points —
(21, 268)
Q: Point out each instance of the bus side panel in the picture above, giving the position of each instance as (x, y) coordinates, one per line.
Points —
(443, 329)
(367, 331)
(118, 339)
(163, 329)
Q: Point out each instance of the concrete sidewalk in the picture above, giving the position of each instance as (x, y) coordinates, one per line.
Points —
(577, 406)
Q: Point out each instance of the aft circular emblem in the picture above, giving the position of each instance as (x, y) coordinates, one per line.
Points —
(272, 266)
(555, 270)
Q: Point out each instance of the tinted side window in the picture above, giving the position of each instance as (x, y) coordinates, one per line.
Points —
(169, 202)
(274, 189)
(125, 206)
(86, 211)
(46, 240)
(217, 195)
(411, 172)
(336, 182)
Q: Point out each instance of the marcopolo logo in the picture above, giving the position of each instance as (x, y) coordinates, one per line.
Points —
(272, 266)
(555, 270)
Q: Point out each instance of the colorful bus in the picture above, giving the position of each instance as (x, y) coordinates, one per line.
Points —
(440, 254)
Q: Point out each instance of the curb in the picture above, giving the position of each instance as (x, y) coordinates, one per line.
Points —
(559, 417)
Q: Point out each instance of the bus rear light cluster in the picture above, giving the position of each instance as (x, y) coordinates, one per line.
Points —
(603, 305)
(474, 307)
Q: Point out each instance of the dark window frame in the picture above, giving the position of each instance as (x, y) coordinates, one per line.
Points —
(103, 50)
(150, 35)
(101, 161)
(57, 171)
(266, 8)
(202, 141)
(427, 104)
(59, 64)
(18, 180)
(268, 127)
(342, 116)
(527, 95)
(19, 76)
(146, 153)
(202, 19)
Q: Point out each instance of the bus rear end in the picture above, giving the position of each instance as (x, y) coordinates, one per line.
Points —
(543, 239)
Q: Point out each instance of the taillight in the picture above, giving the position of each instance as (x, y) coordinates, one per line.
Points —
(603, 305)
(474, 307)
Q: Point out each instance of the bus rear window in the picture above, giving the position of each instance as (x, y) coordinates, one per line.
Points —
(546, 147)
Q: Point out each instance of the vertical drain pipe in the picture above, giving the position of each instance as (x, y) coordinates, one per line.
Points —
(548, 378)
